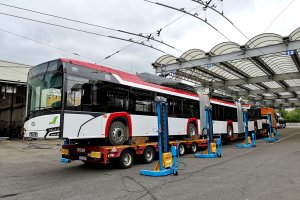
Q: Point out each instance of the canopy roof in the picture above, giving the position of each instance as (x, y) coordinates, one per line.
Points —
(266, 69)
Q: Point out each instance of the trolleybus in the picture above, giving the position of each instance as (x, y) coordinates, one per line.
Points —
(88, 103)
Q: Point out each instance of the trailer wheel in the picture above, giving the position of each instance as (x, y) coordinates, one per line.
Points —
(194, 147)
(126, 159)
(192, 130)
(148, 155)
(181, 148)
(118, 133)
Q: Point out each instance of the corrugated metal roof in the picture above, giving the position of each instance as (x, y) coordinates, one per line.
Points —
(250, 67)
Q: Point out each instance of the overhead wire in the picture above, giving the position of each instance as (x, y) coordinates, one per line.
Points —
(188, 13)
(279, 15)
(48, 45)
(83, 31)
(55, 47)
(193, 15)
(148, 37)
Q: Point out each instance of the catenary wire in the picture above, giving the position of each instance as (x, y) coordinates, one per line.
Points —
(83, 31)
(188, 13)
(148, 37)
(54, 47)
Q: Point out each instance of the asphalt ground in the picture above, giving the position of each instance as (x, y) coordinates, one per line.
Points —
(31, 170)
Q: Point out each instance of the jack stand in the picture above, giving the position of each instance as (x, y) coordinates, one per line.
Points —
(213, 149)
(273, 136)
(168, 161)
(248, 143)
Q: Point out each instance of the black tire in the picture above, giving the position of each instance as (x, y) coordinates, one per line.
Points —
(229, 132)
(204, 133)
(126, 159)
(118, 133)
(194, 147)
(148, 155)
(192, 130)
(255, 128)
(181, 149)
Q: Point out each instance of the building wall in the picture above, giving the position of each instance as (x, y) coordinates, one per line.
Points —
(12, 111)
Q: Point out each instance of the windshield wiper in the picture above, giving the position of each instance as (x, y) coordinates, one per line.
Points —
(36, 111)
(39, 109)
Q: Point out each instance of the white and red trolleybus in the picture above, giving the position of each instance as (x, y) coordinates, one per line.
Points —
(90, 103)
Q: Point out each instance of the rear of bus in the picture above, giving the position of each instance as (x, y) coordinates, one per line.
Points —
(264, 114)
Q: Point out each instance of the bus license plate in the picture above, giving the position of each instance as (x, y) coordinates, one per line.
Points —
(81, 150)
(84, 158)
(33, 134)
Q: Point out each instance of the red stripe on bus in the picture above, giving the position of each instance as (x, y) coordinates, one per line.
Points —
(125, 76)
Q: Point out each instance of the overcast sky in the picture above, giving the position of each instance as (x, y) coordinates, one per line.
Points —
(138, 16)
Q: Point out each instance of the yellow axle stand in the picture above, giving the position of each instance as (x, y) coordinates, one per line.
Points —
(167, 161)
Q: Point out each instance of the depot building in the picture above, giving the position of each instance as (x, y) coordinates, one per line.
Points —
(13, 78)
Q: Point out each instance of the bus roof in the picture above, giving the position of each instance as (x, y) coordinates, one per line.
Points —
(129, 77)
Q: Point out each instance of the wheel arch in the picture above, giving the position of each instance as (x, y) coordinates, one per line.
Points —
(194, 121)
(230, 123)
(123, 117)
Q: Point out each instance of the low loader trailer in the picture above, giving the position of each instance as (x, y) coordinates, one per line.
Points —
(123, 154)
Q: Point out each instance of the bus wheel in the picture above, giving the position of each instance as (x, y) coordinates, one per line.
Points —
(194, 147)
(255, 128)
(229, 132)
(181, 149)
(148, 155)
(117, 133)
(126, 159)
(192, 130)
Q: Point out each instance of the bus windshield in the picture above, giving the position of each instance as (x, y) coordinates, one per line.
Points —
(44, 91)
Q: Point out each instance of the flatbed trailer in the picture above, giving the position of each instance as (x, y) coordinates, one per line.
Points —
(260, 133)
(124, 154)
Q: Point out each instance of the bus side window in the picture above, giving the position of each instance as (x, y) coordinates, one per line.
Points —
(234, 114)
(87, 96)
(177, 107)
(117, 98)
(143, 101)
(190, 108)
(214, 113)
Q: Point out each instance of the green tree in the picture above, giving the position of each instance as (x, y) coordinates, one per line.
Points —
(293, 115)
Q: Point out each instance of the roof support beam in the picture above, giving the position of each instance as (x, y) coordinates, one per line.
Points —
(296, 59)
(248, 53)
(234, 69)
(273, 97)
(262, 66)
(188, 77)
(284, 105)
(209, 73)
(269, 90)
(259, 79)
